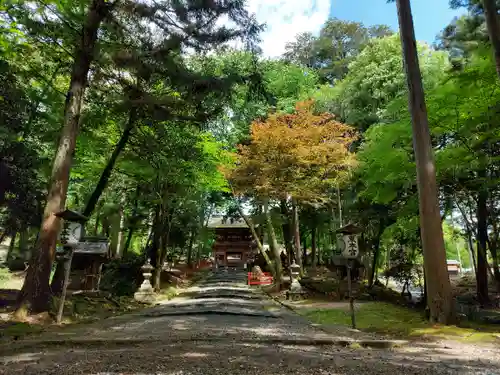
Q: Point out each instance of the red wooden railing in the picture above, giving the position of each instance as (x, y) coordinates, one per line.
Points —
(266, 279)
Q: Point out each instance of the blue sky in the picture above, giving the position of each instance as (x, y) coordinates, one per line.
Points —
(429, 16)
(287, 18)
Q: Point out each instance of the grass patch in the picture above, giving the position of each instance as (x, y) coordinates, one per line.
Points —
(167, 293)
(15, 330)
(478, 334)
(397, 321)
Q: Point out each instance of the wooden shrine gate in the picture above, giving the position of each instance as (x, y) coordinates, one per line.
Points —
(234, 245)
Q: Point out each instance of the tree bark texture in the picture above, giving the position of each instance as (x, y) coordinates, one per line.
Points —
(494, 255)
(303, 237)
(296, 233)
(155, 237)
(128, 241)
(491, 15)
(439, 295)
(160, 261)
(106, 173)
(258, 239)
(472, 255)
(12, 244)
(482, 240)
(313, 246)
(274, 243)
(493, 246)
(376, 254)
(121, 229)
(133, 221)
(35, 294)
(287, 236)
(190, 248)
(97, 218)
(3, 236)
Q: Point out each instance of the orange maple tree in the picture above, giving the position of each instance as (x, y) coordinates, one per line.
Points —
(300, 155)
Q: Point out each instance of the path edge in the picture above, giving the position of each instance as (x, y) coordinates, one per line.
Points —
(369, 343)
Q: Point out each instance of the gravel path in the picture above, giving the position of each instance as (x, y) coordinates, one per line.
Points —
(223, 327)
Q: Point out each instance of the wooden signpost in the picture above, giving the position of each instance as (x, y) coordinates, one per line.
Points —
(70, 237)
(347, 241)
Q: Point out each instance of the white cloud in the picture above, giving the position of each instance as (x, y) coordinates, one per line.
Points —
(287, 18)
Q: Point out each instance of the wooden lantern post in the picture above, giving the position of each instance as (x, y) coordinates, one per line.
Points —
(347, 241)
(71, 234)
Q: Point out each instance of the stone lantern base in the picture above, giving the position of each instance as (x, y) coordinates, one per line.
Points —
(145, 294)
(295, 287)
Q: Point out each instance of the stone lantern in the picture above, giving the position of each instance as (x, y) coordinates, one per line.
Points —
(146, 294)
(295, 286)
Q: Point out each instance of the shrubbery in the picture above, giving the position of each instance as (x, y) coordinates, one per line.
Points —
(122, 277)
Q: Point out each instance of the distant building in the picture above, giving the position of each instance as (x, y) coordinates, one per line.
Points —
(454, 267)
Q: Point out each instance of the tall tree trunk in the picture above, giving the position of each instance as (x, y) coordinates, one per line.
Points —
(35, 293)
(287, 235)
(494, 255)
(115, 221)
(133, 220)
(296, 234)
(23, 241)
(3, 236)
(440, 299)
(482, 240)
(313, 246)
(12, 244)
(106, 173)
(155, 236)
(128, 241)
(469, 232)
(121, 230)
(57, 282)
(491, 15)
(97, 218)
(160, 260)
(493, 246)
(190, 248)
(258, 239)
(162, 254)
(261, 228)
(376, 256)
(303, 237)
(274, 242)
(471, 251)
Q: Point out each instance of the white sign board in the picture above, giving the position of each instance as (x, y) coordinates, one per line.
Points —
(70, 236)
(348, 245)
